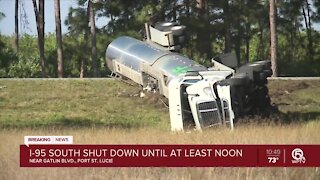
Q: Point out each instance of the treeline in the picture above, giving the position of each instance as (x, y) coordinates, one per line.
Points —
(213, 27)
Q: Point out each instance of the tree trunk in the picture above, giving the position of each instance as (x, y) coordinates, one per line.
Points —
(16, 20)
(93, 40)
(41, 38)
(248, 36)
(273, 39)
(58, 38)
(307, 20)
(174, 11)
(204, 46)
(202, 8)
(237, 48)
(84, 55)
(237, 39)
(293, 37)
(39, 14)
(82, 68)
(227, 36)
(86, 45)
(187, 4)
(83, 61)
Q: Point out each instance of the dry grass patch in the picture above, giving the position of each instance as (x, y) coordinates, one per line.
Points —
(251, 134)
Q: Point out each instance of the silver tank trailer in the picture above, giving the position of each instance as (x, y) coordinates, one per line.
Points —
(140, 60)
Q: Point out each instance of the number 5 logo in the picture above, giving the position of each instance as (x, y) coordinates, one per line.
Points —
(297, 156)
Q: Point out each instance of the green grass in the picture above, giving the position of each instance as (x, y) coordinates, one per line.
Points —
(105, 112)
(110, 103)
(42, 103)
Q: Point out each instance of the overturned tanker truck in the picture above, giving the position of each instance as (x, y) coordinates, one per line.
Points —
(199, 97)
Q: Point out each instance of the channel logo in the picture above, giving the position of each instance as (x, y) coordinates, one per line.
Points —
(297, 156)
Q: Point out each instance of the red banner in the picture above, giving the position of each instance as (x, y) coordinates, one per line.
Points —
(170, 156)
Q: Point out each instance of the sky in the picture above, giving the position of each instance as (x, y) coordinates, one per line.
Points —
(7, 23)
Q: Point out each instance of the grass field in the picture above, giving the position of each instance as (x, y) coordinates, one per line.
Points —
(109, 112)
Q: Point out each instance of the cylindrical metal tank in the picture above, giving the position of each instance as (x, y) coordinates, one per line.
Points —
(132, 53)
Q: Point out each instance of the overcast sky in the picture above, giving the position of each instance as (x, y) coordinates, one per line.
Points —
(7, 23)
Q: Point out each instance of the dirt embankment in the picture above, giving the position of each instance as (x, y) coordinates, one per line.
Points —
(280, 90)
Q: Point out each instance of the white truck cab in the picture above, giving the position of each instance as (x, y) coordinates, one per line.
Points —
(197, 101)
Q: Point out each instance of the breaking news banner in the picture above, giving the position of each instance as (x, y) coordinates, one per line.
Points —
(58, 151)
(48, 140)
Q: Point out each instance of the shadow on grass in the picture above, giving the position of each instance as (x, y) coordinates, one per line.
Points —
(63, 122)
(296, 117)
(274, 116)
